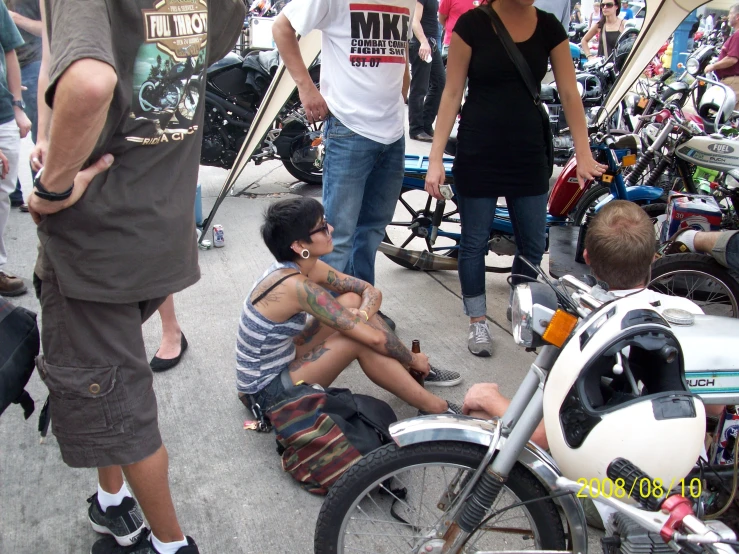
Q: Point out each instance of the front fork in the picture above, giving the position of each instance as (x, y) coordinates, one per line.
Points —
(519, 422)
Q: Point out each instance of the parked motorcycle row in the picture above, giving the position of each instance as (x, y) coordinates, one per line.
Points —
(451, 484)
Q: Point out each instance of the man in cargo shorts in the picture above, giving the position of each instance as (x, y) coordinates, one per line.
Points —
(114, 208)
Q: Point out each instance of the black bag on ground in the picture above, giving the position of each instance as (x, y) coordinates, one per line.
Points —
(322, 433)
(19, 346)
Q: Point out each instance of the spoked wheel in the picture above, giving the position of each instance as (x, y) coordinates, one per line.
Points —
(699, 278)
(398, 500)
(410, 230)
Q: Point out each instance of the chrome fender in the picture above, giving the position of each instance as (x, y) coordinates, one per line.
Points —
(456, 428)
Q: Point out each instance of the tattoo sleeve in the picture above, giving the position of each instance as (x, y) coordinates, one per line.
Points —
(318, 302)
(393, 345)
(370, 295)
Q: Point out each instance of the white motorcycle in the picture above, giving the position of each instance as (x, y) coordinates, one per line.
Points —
(622, 423)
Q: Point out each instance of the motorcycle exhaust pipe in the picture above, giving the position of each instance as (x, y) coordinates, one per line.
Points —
(222, 106)
(420, 259)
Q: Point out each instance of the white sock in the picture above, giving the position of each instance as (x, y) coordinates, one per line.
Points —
(106, 499)
(166, 547)
(688, 239)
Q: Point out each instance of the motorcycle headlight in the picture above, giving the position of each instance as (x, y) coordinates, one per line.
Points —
(522, 315)
(692, 66)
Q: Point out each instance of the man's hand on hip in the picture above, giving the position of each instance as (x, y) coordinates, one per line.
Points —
(39, 207)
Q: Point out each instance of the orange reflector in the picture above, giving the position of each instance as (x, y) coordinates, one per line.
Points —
(559, 328)
(607, 178)
(642, 102)
(316, 141)
(628, 159)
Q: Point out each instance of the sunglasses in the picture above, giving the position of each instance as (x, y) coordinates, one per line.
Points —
(322, 228)
(607, 5)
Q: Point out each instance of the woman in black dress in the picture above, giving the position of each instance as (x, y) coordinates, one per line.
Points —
(501, 149)
(609, 26)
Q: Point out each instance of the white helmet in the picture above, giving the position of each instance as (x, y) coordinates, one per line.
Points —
(715, 107)
(593, 415)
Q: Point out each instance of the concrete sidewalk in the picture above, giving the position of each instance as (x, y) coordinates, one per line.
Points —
(230, 492)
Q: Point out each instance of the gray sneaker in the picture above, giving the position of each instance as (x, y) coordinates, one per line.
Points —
(125, 522)
(480, 342)
(442, 378)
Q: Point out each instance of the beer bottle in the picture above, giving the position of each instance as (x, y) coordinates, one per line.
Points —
(416, 349)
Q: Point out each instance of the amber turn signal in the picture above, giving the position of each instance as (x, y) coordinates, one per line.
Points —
(628, 159)
(559, 328)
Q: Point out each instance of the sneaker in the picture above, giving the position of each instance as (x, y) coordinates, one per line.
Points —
(125, 523)
(442, 378)
(389, 322)
(143, 546)
(24, 208)
(480, 342)
(10, 285)
(452, 408)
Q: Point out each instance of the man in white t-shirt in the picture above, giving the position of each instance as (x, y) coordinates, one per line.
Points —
(364, 81)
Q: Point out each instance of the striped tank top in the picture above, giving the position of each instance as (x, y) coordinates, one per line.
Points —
(264, 347)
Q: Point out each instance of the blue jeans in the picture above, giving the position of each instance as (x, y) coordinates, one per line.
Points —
(361, 185)
(529, 218)
(29, 78)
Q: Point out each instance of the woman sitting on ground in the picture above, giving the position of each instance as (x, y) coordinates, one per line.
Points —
(278, 345)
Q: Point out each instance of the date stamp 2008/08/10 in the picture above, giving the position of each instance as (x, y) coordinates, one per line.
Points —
(644, 488)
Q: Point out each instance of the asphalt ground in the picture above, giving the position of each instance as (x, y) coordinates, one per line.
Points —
(229, 489)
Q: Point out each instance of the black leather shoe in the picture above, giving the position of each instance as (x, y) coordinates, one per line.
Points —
(423, 137)
(389, 322)
(158, 364)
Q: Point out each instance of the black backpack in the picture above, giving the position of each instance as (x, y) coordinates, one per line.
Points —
(19, 346)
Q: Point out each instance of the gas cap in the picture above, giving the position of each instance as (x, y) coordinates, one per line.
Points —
(677, 316)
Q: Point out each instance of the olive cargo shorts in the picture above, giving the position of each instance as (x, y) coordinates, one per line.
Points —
(103, 407)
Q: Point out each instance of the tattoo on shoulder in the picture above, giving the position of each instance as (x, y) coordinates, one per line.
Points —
(274, 295)
(318, 301)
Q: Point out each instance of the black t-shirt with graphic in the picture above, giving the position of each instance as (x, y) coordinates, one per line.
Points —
(131, 236)
(501, 149)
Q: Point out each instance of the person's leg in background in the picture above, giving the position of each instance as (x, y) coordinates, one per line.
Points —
(10, 140)
(173, 343)
(349, 160)
(29, 78)
(420, 74)
(437, 80)
(476, 216)
(378, 206)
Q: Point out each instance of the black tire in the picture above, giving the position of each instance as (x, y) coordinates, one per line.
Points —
(699, 278)
(311, 177)
(382, 466)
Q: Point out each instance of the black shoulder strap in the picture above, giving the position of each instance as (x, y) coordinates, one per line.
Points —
(273, 285)
(513, 52)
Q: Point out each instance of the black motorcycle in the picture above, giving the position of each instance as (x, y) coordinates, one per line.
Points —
(234, 90)
(171, 88)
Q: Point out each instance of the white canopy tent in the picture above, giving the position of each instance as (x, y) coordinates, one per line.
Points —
(662, 18)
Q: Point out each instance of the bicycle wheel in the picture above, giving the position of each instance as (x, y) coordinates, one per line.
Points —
(699, 278)
(364, 511)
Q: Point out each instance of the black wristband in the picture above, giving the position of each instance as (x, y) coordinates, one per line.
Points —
(44, 194)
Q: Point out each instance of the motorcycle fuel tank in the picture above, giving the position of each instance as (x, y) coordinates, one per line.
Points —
(711, 361)
(712, 153)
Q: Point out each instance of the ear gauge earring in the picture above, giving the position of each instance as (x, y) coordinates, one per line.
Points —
(305, 254)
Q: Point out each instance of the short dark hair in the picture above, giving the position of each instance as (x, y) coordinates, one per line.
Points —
(289, 220)
(621, 244)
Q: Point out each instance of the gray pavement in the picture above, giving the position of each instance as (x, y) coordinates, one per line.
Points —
(229, 489)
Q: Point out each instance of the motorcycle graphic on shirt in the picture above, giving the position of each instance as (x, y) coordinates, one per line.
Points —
(168, 76)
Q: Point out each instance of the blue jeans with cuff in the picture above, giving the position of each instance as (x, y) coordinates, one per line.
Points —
(362, 179)
(529, 218)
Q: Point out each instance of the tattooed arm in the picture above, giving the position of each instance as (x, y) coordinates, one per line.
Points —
(339, 282)
(319, 303)
(311, 330)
